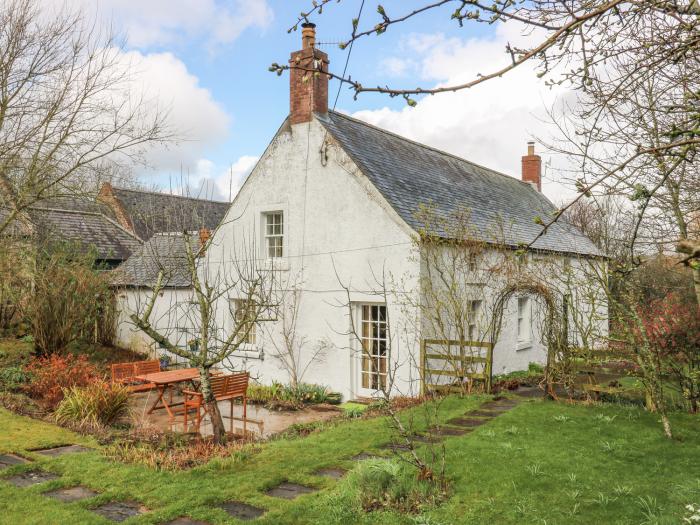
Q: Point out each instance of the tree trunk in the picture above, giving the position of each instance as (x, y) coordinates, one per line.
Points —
(217, 423)
(696, 280)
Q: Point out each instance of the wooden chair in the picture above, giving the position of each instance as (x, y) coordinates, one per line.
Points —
(224, 387)
(124, 374)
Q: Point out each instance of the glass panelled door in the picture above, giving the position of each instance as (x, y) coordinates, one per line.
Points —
(374, 357)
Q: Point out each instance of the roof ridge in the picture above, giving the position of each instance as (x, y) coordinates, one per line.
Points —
(162, 194)
(422, 145)
(95, 213)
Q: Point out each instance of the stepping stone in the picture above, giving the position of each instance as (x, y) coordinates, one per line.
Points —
(71, 494)
(59, 451)
(498, 406)
(365, 455)
(529, 392)
(482, 413)
(450, 431)
(9, 460)
(335, 473)
(27, 479)
(466, 422)
(242, 511)
(397, 447)
(120, 510)
(289, 490)
(186, 521)
(427, 438)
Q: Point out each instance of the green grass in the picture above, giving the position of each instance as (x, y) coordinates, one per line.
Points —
(541, 462)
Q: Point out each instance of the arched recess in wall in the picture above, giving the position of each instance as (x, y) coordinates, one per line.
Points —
(554, 329)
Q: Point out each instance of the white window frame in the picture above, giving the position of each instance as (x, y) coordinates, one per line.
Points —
(362, 354)
(474, 320)
(524, 320)
(269, 236)
(248, 345)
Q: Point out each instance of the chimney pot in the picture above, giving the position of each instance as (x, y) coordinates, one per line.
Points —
(308, 35)
(532, 167)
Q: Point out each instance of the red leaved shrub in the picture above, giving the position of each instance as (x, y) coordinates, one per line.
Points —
(51, 375)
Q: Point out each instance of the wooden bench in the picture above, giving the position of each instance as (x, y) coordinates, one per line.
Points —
(124, 374)
(224, 388)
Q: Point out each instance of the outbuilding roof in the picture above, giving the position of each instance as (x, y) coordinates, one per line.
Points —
(153, 212)
(410, 175)
(166, 252)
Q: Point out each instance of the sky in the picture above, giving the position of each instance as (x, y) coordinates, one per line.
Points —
(206, 62)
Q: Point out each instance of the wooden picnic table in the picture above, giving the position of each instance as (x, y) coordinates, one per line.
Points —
(164, 381)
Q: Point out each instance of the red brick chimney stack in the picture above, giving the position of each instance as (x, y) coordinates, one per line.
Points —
(308, 86)
(532, 167)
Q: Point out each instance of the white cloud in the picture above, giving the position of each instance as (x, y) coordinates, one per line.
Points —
(488, 124)
(172, 22)
(210, 181)
(192, 114)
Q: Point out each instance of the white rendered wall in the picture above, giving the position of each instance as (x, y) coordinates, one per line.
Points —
(337, 231)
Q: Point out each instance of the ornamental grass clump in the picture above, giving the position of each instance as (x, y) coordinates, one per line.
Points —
(379, 484)
(96, 405)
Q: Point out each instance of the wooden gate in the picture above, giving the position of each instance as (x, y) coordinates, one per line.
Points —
(449, 365)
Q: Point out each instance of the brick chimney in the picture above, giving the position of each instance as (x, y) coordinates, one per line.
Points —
(308, 86)
(532, 167)
(108, 197)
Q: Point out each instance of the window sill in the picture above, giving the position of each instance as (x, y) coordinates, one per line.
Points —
(523, 345)
(278, 264)
(249, 352)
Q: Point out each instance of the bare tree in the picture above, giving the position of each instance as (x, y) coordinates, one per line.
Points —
(292, 350)
(67, 111)
(236, 289)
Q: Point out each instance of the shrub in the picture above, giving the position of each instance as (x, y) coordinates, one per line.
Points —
(50, 376)
(278, 395)
(12, 377)
(70, 299)
(378, 484)
(95, 405)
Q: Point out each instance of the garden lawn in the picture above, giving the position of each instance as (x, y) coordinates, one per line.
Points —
(540, 462)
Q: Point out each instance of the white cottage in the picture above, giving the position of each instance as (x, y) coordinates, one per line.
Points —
(333, 205)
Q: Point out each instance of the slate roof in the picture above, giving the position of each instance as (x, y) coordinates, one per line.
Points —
(163, 251)
(112, 242)
(409, 174)
(153, 212)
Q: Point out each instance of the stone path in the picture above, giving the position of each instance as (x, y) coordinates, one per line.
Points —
(71, 494)
(60, 451)
(288, 490)
(118, 511)
(242, 511)
(10, 460)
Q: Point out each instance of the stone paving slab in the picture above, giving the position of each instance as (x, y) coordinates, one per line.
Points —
(397, 447)
(466, 422)
(450, 431)
(482, 413)
(365, 455)
(59, 451)
(242, 511)
(498, 406)
(71, 494)
(27, 479)
(427, 438)
(186, 521)
(335, 473)
(288, 490)
(120, 510)
(10, 460)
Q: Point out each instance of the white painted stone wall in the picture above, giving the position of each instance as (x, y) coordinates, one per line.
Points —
(338, 231)
(169, 317)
